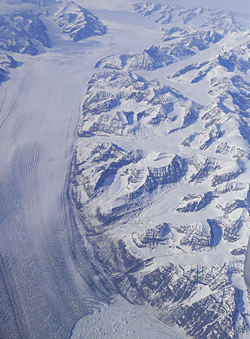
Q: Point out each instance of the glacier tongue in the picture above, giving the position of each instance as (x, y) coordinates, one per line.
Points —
(120, 319)
(165, 199)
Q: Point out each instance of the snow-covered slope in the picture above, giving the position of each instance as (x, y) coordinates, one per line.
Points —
(185, 32)
(160, 175)
(20, 30)
(78, 22)
(6, 62)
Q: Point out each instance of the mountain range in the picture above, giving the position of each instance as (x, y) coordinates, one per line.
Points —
(160, 179)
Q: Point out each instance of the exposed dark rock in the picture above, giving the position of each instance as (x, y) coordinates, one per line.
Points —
(18, 30)
(78, 22)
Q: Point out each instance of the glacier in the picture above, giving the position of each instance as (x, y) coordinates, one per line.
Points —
(124, 170)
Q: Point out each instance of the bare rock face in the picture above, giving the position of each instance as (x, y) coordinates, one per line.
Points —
(19, 33)
(6, 62)
(78, 22)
